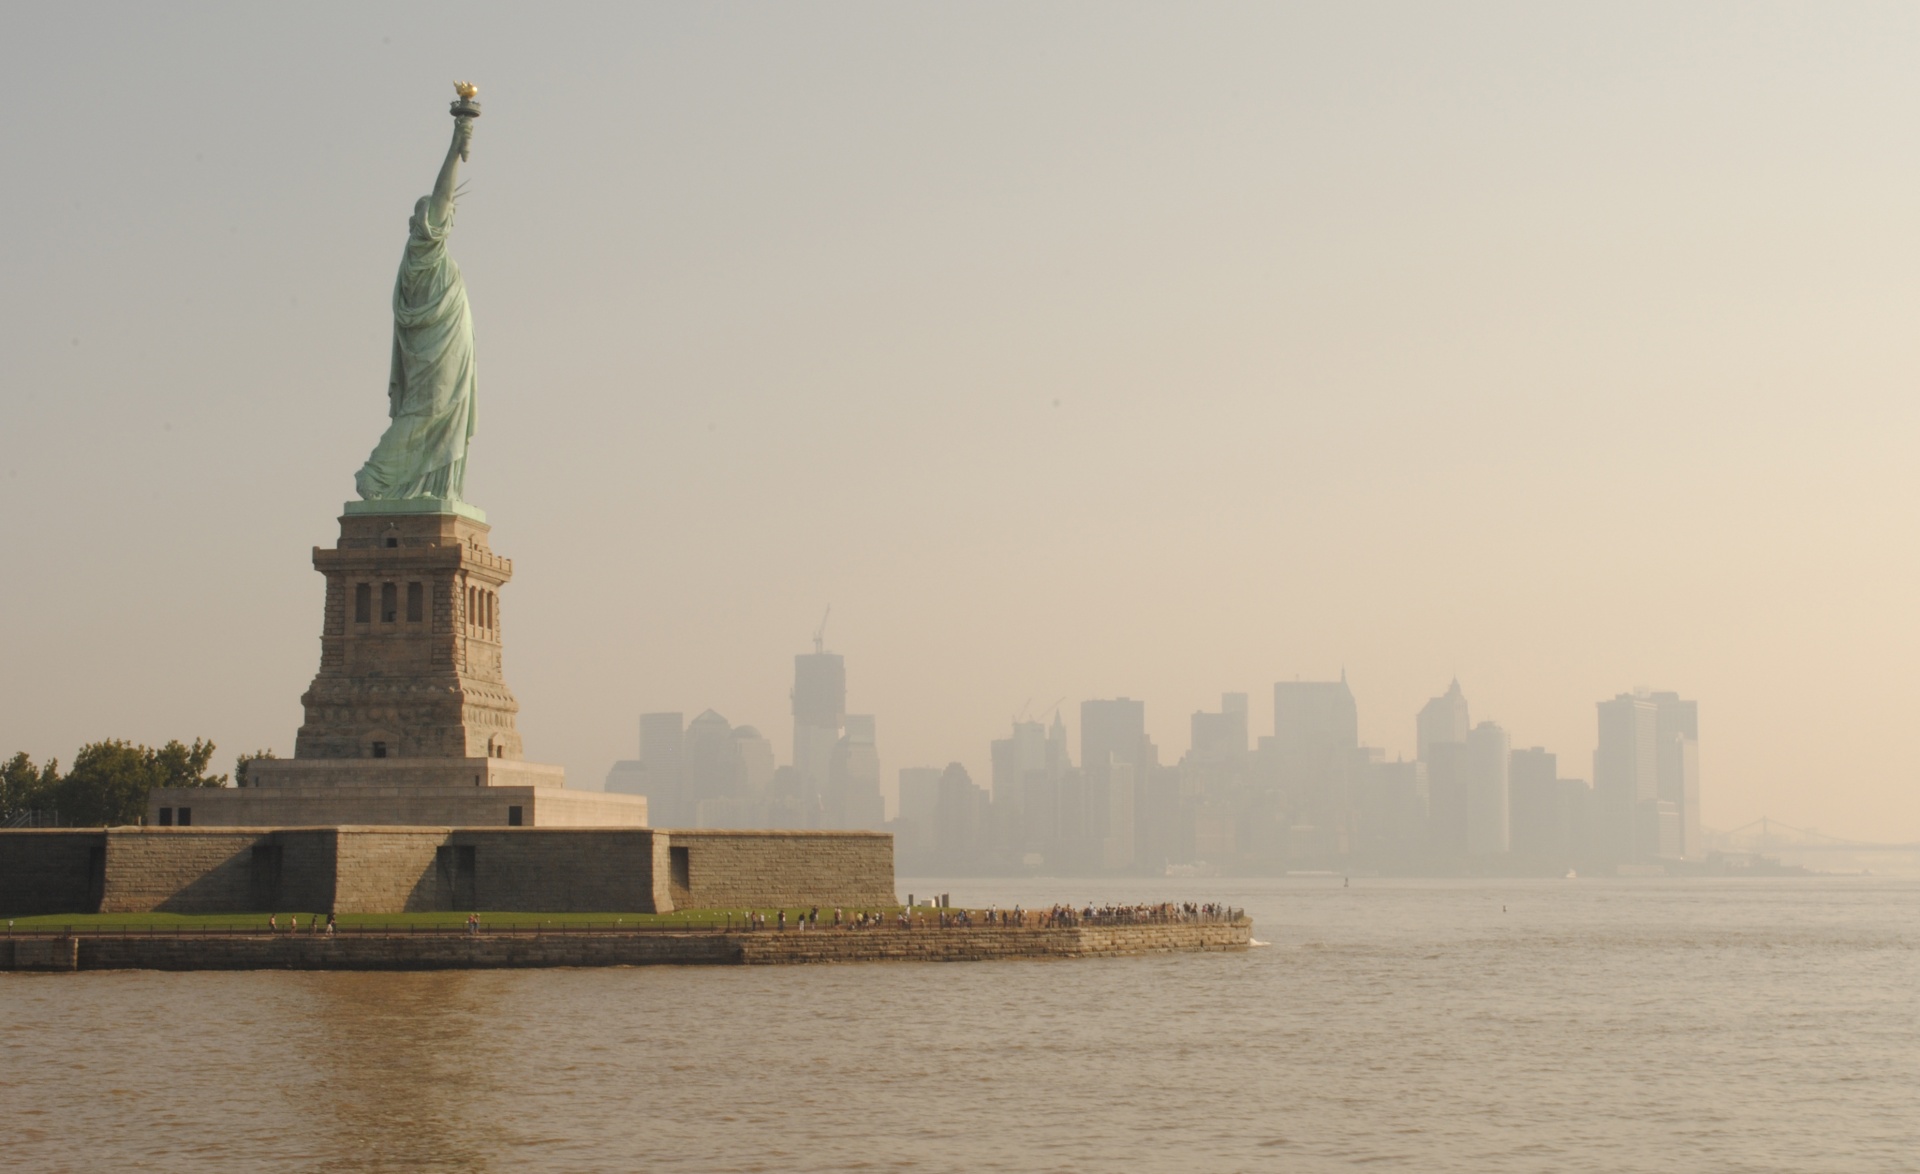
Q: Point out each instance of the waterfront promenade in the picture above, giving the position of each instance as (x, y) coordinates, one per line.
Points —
(966, 936)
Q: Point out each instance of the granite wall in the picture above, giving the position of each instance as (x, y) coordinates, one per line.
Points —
(51, 870)
(395, 870)
(763, 869)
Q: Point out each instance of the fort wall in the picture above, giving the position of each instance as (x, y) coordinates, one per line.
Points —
(381, 869)
(51, 870)
(760, 869)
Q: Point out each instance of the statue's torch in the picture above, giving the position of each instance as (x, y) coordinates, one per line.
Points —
(465, 106)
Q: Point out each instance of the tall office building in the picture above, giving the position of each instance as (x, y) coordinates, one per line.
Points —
(1538, 824)
(1113, 735)
(1626, 779)
(1220, 737)
(1443, 719)
(1313, 755)
(756, 762)
(1677, 767)
(1488, 751)
(919, 810)
(657, 773)
(960, 821)
(1015, 758)
(714, 775)
(819, 715)
(1034, 773)
(1449, 787)
(1390, 809)
(1315, 719)
(1113, 730)
(852, 796)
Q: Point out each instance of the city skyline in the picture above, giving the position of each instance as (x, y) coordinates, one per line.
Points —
(1312, 794)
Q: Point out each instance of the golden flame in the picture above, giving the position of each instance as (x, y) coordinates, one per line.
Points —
(465, 89)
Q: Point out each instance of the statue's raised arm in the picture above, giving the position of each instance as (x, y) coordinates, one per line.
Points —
(422, 456)
(450, 170)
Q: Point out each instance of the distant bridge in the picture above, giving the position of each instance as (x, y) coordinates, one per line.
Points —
(1770, 835)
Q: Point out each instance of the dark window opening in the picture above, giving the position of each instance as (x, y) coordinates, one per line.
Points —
(362, 603)
(264, 875)
(679, 868)
(96, 878)
(166, 817)
(513, 817)
(465, 891)
(379, 749)
(184, 817)
(389, 603)
(392, 541)
(416, 602)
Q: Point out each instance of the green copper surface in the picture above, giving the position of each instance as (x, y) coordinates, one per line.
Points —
(430, 391)
(416, 505)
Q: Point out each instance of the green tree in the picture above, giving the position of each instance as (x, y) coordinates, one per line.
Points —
(24, 787)
(110, 781)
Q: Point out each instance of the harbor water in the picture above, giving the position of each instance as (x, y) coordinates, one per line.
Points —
(1472, 1025)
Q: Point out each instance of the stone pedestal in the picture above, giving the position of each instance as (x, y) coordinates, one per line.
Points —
(410, 643)
(409, 720)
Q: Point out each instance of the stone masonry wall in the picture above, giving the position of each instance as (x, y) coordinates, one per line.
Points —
(375, 869)
(541, 870)
(180, 870)
(389, 870)
(739, 869)
(48, 871)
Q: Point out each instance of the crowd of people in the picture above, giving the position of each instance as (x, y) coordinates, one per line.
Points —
(1056, 917)
(1165, 913)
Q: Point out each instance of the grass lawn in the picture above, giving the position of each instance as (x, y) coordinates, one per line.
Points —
(161, 922)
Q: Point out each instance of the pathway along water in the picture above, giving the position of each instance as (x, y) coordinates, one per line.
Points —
(946, 936)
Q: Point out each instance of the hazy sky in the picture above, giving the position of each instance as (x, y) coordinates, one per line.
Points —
(1077, 350)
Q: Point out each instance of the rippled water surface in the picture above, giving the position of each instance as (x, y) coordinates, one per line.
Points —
(1471, 1026)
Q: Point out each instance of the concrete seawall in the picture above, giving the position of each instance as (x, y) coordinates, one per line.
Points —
(488, 951)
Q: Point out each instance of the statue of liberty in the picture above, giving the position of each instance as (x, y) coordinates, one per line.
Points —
(423, 453)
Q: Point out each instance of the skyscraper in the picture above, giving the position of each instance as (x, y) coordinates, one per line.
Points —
(819, 713)
(714, 778)
(1449, 786)
(1488, 750)
(1221, 737)
(1539, 824)
(1677, 766)
(919, 810)
(852, 798)
(1113, 733)
(1626, 779)
(1443, 719)
(1314, 754)
(659, 774)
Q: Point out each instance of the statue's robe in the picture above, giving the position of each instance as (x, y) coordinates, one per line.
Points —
(423, 452)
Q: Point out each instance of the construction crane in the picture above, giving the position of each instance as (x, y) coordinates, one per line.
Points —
(1026, 711)
(820, 633)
